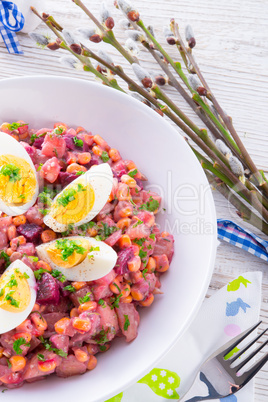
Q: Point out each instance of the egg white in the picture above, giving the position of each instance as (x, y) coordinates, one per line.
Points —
(8, 145)
(90, 269)
(100, 177)
(10, 320)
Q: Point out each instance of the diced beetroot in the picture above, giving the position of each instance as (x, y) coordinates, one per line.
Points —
(60, 342)
(27, 248)
(53, 145)
(6, 340)
(38, 142)
(69, 141)
(165, 245)
(111, 240)
(3, 240)
(62, 307)
(33, 215)
(124, 256)
(50, 170)
(108, 207)
(70, 366)
(34, 343)
(48, 290)
(30, 231)
(108, 320)
(128, 311)
(66, 178)
(95, 160)
(80, 293)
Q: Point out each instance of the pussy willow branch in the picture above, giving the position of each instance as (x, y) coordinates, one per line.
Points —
(226, 119)
(220, 165)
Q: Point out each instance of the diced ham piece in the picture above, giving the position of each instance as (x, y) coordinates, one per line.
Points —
(108, 320)
(60, 342)
(138, 230)
(3, 240)
(48, 290)
(33, 215)
(53, 145)
(165, 245)
(27, 248)
(113, 238)
(70, 366)
(51, 319)
(32, 370)
(127, 313)
(50, 170)
(5, 222)
(30, 150)
(80, 294)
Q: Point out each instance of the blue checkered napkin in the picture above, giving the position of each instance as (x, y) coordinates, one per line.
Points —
(11, 21)
(242, 238)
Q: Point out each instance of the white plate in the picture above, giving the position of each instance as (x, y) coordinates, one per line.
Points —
(162, 154)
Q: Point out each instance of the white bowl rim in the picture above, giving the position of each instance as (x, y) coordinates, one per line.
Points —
(212, 255)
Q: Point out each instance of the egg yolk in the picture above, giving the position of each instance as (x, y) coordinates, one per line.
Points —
(15, 295)
(67, 253)
(73, 204)
(17, 180)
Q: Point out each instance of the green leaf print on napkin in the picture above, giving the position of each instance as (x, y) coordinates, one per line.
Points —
(116, 398)
(235, 284)
(162, 382)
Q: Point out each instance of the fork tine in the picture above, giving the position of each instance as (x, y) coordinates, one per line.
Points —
(237, 355)
(239, 339)
(244, 362)
(248, 375)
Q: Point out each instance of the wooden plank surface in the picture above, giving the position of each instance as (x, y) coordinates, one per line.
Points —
(232, 50)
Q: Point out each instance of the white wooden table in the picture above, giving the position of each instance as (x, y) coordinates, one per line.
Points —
(232, 50)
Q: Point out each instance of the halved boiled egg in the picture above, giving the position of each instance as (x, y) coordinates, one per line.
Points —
(18, 181)
(81, 200)
(78, 258)
(17, 295)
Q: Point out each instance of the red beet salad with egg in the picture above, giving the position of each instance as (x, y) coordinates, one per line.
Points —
(80, 251)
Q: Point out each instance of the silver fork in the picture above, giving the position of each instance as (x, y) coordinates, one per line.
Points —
(219, 374)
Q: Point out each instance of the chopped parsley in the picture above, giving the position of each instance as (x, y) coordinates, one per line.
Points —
(17, 345)
(80, 173)
(144, 272)
(58, 130)
(47, 195)
(115, 301)
(139, 222)
(143, 255)
(80, 187)
(132, 173)
(152, 236)
(1, 292)
(44, 211)
(127, 323)
(68, 247)
(105, 230)
(4, 390)
(105, 156)
(12, 283)
(47, 346)
(39, 167)
(68, 231)
(41, 357)
(22, 196)
(101, 303)
(6, 257)
(38, 273)
(15, 126)
(78, 142)
(9, 364)
(139, 241)
(67, 196)
(35, 136)
(101, 337)
(12, 171)
(58, 275)
(151, 205)
(70, 288)
(84, 299)
(85, 227)
(11, 299)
